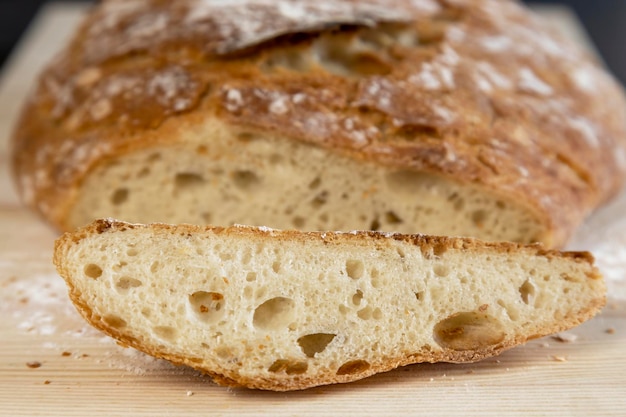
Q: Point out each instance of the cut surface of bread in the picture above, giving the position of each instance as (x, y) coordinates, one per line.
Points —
(211, 104)
(288, 310)
(260, 181)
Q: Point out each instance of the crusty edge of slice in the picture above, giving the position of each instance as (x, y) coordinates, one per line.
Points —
(385, 364)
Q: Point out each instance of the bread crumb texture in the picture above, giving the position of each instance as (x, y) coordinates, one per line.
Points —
(285, 310)
(442, 117)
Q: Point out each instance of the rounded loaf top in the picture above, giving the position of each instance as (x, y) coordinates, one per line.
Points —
(475, 90)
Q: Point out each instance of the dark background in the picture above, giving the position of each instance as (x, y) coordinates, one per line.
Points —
(605, 21)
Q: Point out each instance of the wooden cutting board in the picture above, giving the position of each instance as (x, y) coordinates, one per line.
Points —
(53, 364)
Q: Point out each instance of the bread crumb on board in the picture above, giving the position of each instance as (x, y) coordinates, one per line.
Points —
(33, 364)
(565, 337)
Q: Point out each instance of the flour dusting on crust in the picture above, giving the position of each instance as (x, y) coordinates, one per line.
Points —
(478, 91)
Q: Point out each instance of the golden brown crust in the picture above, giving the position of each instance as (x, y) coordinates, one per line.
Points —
(475, 90)
(428, 245)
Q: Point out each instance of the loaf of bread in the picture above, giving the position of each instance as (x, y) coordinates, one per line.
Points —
(287, 310)
(463, 117)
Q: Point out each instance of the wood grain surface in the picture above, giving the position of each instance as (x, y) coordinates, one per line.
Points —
(53, 364)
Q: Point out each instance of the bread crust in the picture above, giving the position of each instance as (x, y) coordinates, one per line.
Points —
(427, 244)
(477, 91)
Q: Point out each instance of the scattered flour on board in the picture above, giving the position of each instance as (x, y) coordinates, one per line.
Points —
(39, 307)
(604, 235)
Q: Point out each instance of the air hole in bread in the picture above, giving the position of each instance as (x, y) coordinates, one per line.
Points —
(567, 277)
(185, 180)
(392, 218)
(527, 292)
(315, 183)
(405, 181)
(357, 297)
(469, 331)
(365, 313)
(375, 278)
(458, 203)
(479, 217)
(225, 256)
(355, 268)
(320, 199)
(375, 224)
(274, 314)
(124, 284)
(510, 310)
(207, 306)
(312, 344)
(289, 367)
(276, 159)
(248, 292)
(353, 367)
(246, 256)
(93, 271)
(132, 252)
(119, 196)
(224, 352)
(299, 222)
(155, 266)
(114, 322)
(251, 276)
(419, 295)
(369, 313)
(206, 217)
(441, 270)
(165, 333)
(245, 180)
(260, 292)
(118, 266)
(276, 266)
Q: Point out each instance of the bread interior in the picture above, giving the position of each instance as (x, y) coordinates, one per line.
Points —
(285, 310)
(263, 180)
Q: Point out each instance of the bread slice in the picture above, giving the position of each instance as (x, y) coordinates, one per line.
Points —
(288, 310)
(438, 117)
